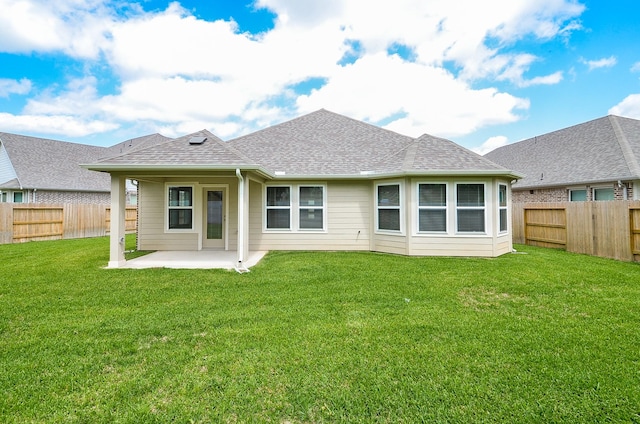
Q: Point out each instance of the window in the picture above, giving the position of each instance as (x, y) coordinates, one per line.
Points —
(3, 197)
(18, 197)
(311, 211)
(470, 208)
(279, 208)
(388, 207)
(180, 208)
(603, 194)
(502, 207)
(578, 195)
(432, 207)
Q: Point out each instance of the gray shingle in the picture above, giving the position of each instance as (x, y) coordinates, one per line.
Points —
(53, 165)
(590, 152)
(319, 144)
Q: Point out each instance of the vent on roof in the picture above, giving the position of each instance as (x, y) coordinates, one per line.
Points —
(197, 140)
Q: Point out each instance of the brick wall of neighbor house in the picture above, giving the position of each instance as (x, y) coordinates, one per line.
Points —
(54, 197)
(562, 194)
(540, 195)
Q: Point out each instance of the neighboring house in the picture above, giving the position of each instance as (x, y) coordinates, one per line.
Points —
(318, 182)
(38, 170)
(595, 160)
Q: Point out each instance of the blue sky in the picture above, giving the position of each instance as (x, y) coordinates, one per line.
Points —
(482, 74)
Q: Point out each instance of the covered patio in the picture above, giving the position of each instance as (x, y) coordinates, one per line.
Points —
(201, 259)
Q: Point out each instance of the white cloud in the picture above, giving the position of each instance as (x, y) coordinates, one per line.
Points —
(635, 67)
(429, 99)
(490, 144)
(9, 86)
(629, 107)
(75, 27)
(607, 62)
(180, 73)
(63, 125)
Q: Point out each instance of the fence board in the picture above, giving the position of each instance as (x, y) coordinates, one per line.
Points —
(634, 225)
(6, 223)
(608, 229)
(37, 222)
(21, 222)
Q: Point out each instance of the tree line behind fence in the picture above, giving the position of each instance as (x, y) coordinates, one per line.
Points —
(21, 222)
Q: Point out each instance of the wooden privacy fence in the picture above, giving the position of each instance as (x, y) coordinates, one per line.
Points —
(21, 222)
(608, 229)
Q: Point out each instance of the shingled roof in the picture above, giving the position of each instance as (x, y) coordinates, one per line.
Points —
(320, 144)
(603, 150)
(50, 164)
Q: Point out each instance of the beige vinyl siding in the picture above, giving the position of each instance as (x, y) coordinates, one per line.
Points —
(347, 220)
(151, 225)
(504, 244)
(390, 243)
(452, 246)
(152, 234)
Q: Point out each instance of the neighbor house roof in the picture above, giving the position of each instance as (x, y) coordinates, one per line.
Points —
(602, 150)
(45, 164)
(320, 144)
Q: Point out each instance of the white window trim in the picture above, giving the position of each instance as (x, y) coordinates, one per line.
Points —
(267, 208)
(322, 208)
(505, 207)
(585, 189)
(601, 187)
(446, 208)
(294, 209)
(483, 208)
(400, 207)
(167, 186)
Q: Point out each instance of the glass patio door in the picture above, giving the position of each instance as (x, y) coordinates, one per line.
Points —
(214, 222)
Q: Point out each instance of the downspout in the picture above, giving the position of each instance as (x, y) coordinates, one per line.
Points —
(240, 266)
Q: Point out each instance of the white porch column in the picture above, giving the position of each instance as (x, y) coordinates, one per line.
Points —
(243, 219)
(118, 210)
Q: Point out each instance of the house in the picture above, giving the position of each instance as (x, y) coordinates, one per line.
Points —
(38, 170)
(322, 181)
(595, 160)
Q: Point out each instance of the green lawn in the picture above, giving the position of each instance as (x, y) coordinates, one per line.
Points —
(541, 336)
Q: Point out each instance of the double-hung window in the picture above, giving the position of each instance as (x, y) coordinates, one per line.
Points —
(278, 208)
(470, 208)
(180, 207)
(502, 207)
(432, 207)
(388, 207)
(311, 208)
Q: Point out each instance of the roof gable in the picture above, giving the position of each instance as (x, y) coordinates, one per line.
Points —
(604, 149)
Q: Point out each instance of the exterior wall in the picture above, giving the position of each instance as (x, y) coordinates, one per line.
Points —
(492, 243)
(350, 216)
(561, 194)
(347, 226)
(152, 234)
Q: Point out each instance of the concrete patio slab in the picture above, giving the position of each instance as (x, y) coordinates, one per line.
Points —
(200, 259)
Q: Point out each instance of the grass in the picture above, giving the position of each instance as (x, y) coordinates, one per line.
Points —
(543, 336)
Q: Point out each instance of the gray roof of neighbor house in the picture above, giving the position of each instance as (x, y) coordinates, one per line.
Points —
(46, 164)
(603, 150)
(320, 144)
